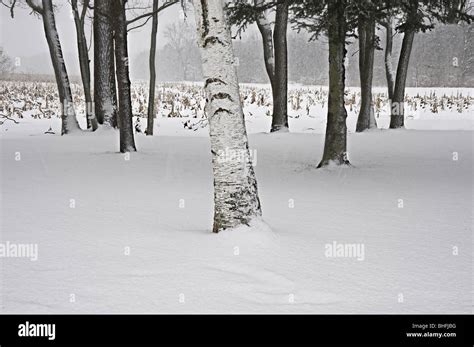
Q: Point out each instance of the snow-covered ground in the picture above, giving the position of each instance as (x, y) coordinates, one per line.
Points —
(133, 234)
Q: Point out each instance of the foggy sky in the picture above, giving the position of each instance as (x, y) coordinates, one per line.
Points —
(23, 36)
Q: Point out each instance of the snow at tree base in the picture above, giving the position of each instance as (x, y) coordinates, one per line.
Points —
(132, 232)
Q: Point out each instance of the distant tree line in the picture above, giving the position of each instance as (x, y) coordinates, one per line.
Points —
(443, 57)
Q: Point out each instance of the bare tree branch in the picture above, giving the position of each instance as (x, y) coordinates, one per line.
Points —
(11, 6)
(150, 14)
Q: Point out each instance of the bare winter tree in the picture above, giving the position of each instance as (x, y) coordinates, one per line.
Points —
(143, 18)
(389, 73)
(336, 19)
(68, 115)
(339, 20)
(275, 49)
(280, 87)
(235, 186)
(265, 27)
(420, 16)
(398, 99)
(366, 29)
(335, 143)
(180, 38)
(6, 63)
(125, 116)
(151, 93)
(79, 21)
(275, 53)
(105, 92)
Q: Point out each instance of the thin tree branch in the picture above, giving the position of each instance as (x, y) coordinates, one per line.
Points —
(150, 14)
(85, 5)
(140, 25)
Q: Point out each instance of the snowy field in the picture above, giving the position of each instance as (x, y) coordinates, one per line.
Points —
(133, 234)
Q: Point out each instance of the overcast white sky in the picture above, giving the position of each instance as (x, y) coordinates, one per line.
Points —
(24, 36)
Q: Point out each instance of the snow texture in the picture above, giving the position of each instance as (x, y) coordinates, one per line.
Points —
(148, 247)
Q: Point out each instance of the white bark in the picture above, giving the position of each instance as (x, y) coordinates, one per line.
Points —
(69, 121)
(45, 9)
(235, 186)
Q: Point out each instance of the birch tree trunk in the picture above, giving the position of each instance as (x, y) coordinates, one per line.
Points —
(236, 199)
(280, 90)
(335, 143)
(105, 94)
(125, 116)
(366, 119)
(397, 118)
(151, 92)
(68, 115)
(84, 61)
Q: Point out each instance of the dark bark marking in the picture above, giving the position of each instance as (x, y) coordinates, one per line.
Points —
(221, 96)
(220, 109)
(205, 20)
(212, 40)
(213, 80)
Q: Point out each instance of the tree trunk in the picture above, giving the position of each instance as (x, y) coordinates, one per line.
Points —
(84, 62)
(151, 93)
(336, 130)
(280, 88)
(397, 118)
(468, 56)
(235, 186)
(105, 95)
(125, 116)
(68, 115)
(265, 28)
(366, 119)
(388, 58)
